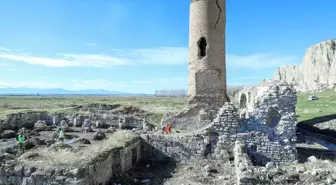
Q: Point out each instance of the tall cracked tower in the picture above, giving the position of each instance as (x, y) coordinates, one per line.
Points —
(207, 69)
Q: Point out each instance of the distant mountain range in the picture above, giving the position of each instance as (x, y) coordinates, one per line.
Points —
(59, 91)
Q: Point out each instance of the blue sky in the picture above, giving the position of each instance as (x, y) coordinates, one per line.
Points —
(142, 45)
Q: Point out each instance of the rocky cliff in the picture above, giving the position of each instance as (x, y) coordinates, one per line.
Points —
(317, 71)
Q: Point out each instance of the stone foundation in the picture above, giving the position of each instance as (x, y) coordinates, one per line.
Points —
(27, 120)
(172, 147)
(268, 132)
(99, 171)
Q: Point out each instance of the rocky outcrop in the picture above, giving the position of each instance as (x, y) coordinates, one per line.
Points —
(317, 71)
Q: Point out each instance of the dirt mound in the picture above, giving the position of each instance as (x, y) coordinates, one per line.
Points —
(93, 107)
(128, 109)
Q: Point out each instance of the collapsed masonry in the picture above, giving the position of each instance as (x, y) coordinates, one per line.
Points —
(266, 126)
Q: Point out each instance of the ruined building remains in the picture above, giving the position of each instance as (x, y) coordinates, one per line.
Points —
(266, 127)
(207, 74)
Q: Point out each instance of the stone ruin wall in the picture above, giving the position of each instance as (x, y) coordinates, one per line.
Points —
(158, 147)
(100, 172)
(19, 120)
(243, 165)
(16, 121)
(268, 132)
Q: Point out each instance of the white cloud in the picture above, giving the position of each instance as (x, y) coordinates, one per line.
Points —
(4, 49)
(160, 56)
(259, 61)
(156, 56)
(94, 60)
(67, 60)
(152, 56)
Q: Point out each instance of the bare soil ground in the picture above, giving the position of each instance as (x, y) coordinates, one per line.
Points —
(204, 172)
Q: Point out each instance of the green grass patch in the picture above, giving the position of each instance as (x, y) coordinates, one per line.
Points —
(325, 105)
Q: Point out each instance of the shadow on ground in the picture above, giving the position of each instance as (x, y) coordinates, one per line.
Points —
(308, 125)
(323, 154)
(320, 119)
(153, 168)
(147, 173)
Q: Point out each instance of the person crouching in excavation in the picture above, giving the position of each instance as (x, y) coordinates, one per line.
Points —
(20, 140)
(167, 129)
(61, 135)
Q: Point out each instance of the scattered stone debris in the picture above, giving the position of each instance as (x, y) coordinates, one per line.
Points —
(64, 125)
(100, 124)
(99, 135)
(87, 126)
(40, 125)
(111, 130)
(312, 159)
(81, 141)
(38, 141)
(29, 144)
(7, 134)
(77, 122)
(60, 146)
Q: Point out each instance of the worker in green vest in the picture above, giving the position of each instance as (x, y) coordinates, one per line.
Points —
(61, 135)
(20, 139)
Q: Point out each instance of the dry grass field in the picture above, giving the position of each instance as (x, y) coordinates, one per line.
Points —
(155, 106)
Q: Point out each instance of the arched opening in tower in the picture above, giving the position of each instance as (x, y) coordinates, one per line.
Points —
(243, 100)
(202, 44)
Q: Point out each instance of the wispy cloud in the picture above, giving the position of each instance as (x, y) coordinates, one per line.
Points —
(67, 60)
(160, 56)
(156, 56)
(152, 56)
(259, 61)
(4, 49)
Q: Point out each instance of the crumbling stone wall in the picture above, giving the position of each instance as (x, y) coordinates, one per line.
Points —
(25, 119)
(243, 165)
(225, 126)
(159, 147)
(271, 114)
(98, 172)
(268, 129)
(16, 121)
(189, 124)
